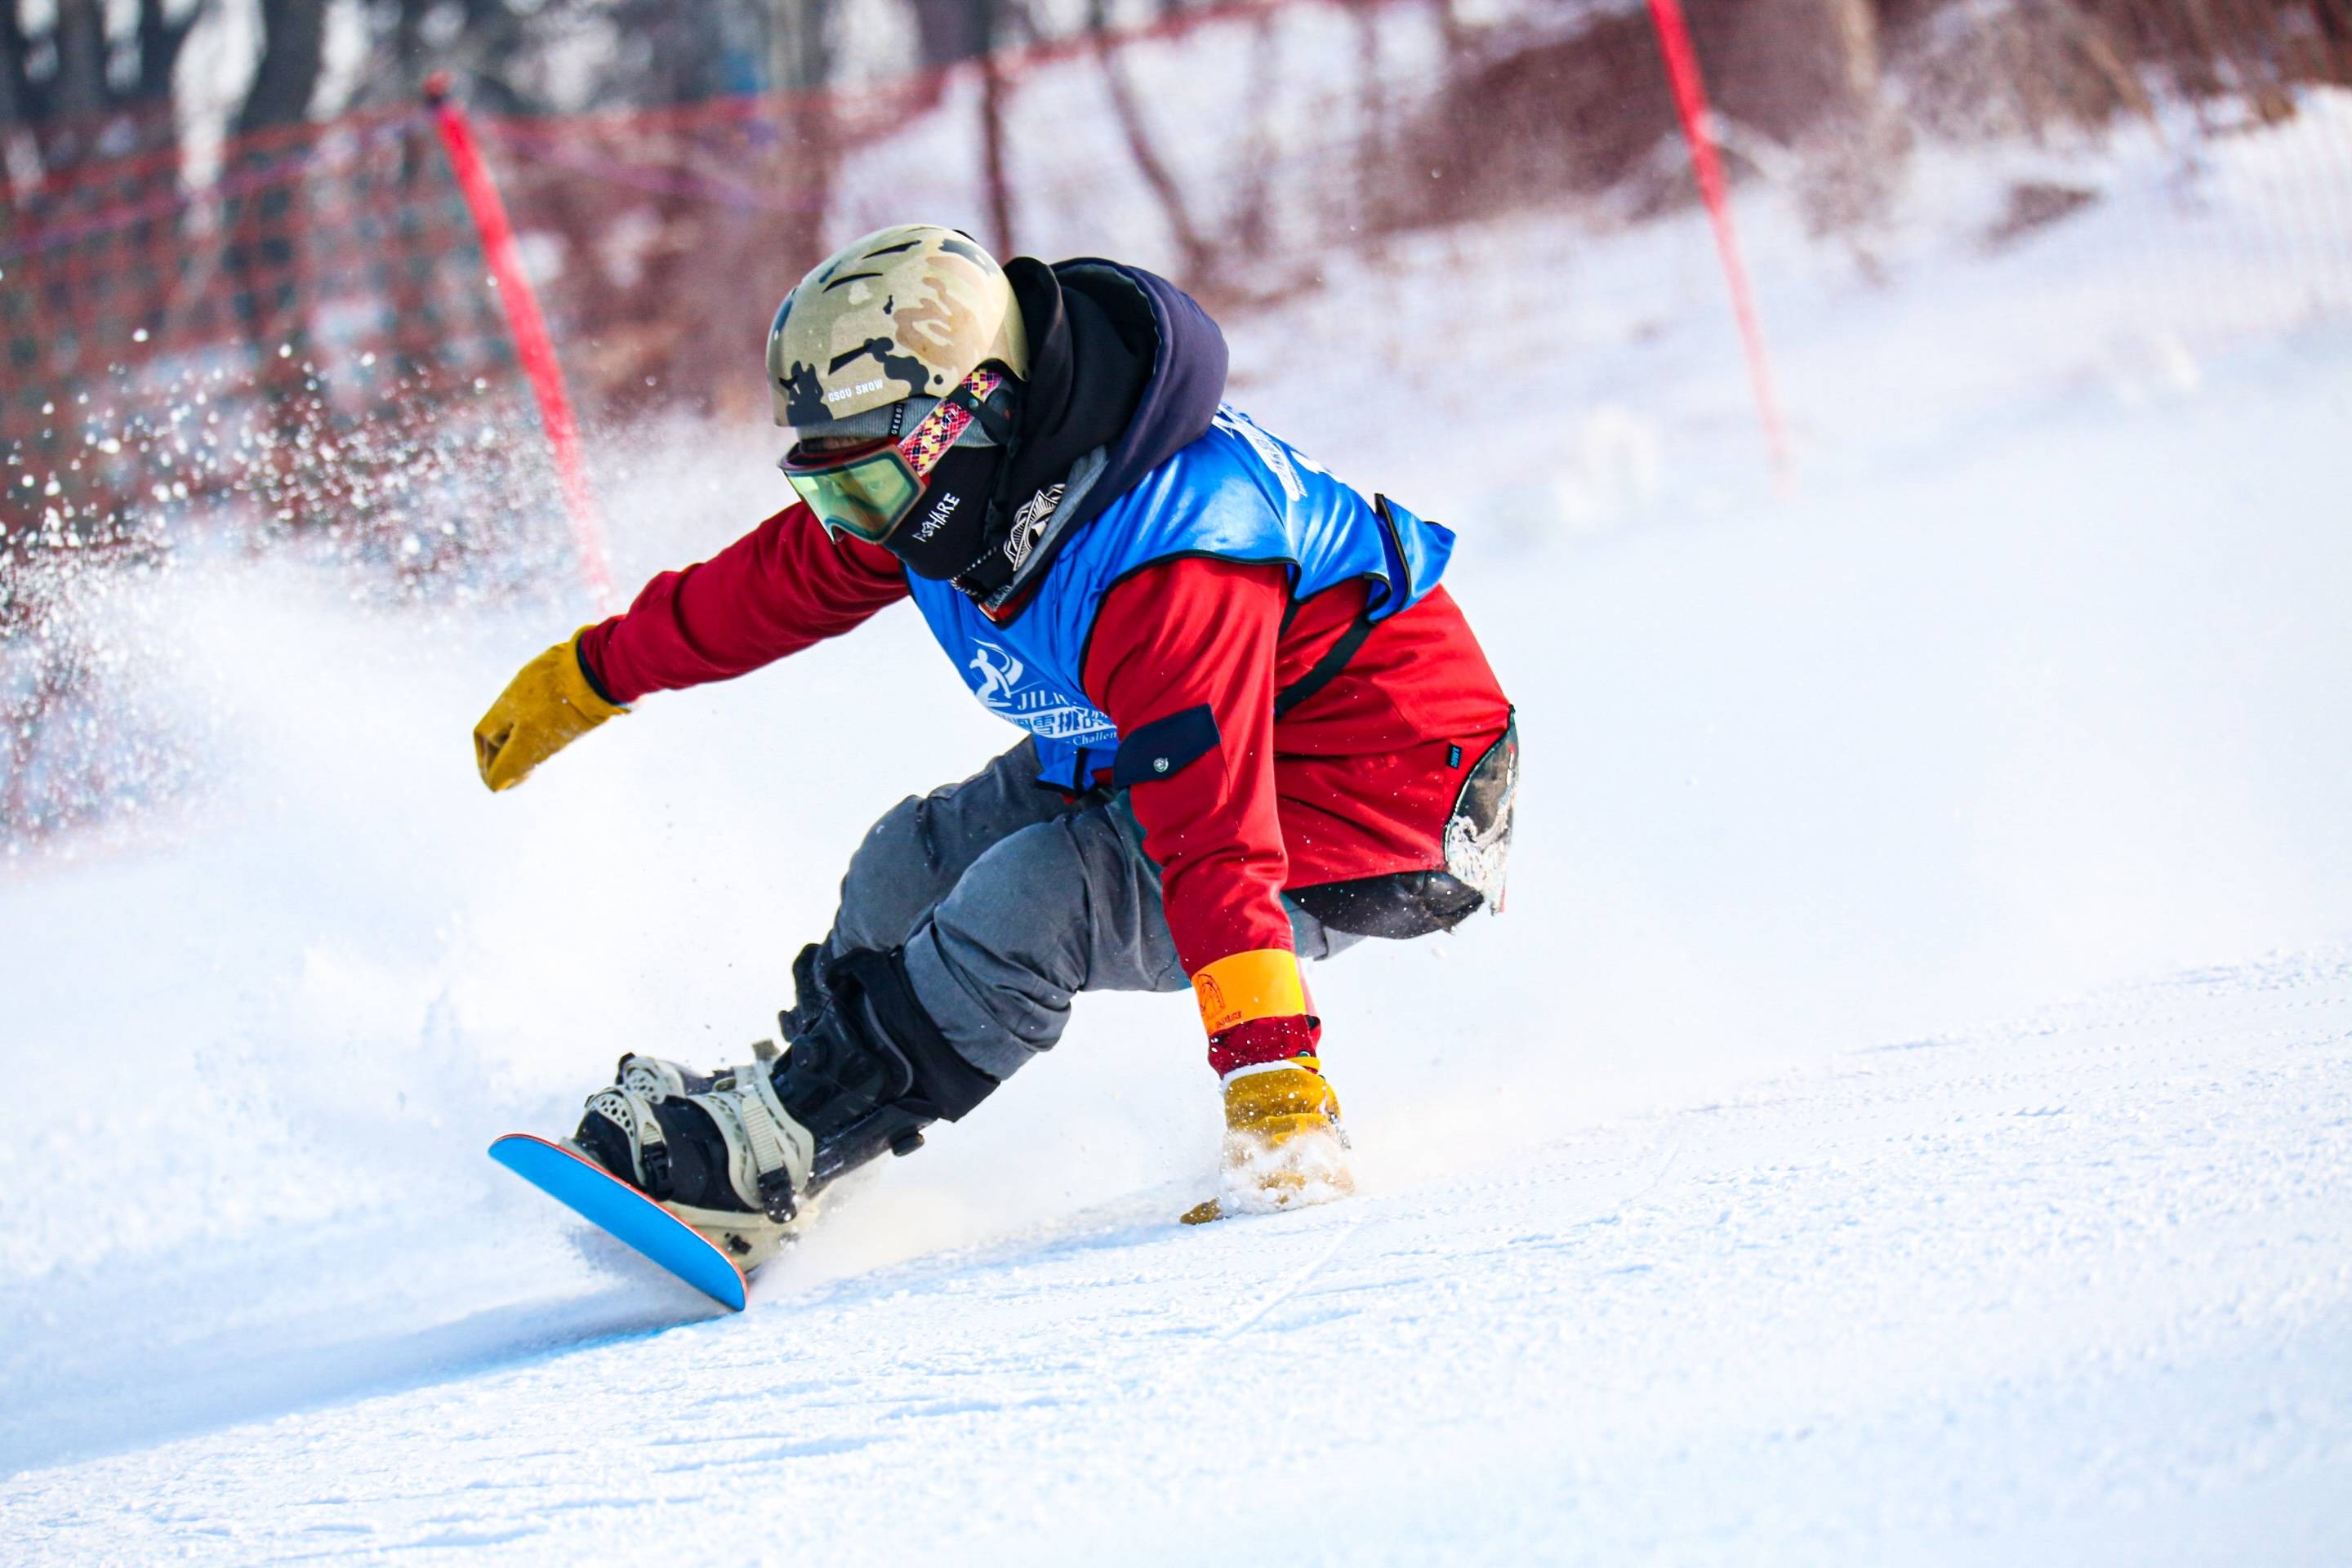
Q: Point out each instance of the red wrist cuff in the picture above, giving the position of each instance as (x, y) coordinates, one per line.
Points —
(1262, 1040)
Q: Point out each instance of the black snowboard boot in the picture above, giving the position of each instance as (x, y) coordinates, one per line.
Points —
(735, 1152)
(871, 1070)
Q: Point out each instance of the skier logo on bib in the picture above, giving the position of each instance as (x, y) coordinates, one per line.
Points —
(999, 676)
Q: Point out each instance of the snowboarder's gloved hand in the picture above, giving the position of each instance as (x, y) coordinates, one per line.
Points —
(1284, 1145)
(548, 705)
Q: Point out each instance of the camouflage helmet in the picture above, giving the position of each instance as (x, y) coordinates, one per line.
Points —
(904, 312)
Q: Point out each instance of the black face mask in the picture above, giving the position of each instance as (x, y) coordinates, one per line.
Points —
(948, 529)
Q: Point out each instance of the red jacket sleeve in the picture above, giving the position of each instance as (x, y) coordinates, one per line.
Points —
(1182, 634)
(785, 586)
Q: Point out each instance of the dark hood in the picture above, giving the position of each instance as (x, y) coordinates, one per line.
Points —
(1125, 370)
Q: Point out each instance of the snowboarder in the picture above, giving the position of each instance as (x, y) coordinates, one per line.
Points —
(1259, 729)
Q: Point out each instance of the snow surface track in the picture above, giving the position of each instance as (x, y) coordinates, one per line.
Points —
(2076, 1288)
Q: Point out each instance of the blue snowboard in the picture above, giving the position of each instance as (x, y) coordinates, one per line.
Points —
(620, 1211)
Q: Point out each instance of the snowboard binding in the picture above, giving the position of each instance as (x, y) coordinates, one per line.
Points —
(736, 1153)
(718, 1151)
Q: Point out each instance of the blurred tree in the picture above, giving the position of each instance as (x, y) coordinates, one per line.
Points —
(1809, 75)
(948, 32)
(493, 46)
(84, 92)
(293, 50)
(802, 54)
(672, 53)
(1193, 243)
(263, 228)
(994, 88)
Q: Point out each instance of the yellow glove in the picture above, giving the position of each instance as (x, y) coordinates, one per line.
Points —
(547, 706)
(1285, 1146)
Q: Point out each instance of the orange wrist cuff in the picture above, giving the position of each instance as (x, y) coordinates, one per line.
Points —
(1261, 984)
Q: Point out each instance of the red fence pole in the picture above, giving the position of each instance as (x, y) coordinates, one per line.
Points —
(533, 345)
(1690, 103)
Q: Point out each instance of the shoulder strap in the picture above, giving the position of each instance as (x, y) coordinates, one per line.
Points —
(1326, 668)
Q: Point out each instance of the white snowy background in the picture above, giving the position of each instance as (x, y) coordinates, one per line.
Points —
(1904, 1116)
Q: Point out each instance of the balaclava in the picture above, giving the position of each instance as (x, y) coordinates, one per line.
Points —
(948, 529)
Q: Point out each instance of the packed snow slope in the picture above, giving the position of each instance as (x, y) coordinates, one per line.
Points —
(1905, 1114)
(2067, 1290)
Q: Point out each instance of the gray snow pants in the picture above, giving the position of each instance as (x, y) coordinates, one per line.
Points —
(1009, 901)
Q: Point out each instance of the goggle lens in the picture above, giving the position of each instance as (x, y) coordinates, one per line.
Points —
(869, 496)
(871, 490)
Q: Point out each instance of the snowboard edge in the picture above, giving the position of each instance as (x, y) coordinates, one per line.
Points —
(623, 1213)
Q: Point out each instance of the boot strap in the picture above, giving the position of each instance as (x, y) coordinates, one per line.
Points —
(770, 1153)
(626, 1108)
(650, 1076)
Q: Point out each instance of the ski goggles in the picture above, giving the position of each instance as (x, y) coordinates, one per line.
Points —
(871, 489)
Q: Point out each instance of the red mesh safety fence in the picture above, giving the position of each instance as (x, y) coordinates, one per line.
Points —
(303, 343)
(317, 253)
(327, 277)
(305, 337)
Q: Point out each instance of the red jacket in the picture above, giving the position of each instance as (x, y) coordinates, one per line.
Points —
(1355, 781)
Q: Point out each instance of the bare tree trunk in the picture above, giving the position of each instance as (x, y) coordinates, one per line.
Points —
(1451, 33)
(1807, 74)
(805, 64)
(1252, 219)
(803, 44)
(264, 228)
(1199, 256)
(295, 35)
(2092, 40)
(1863, 143)
(993, 89)
(2334, 20)
(2253, 62)
(161, 39)
(159, 50)
(79, 90)
(16, 96)
(17, 103)
(76, 97)
(1372, 135)
(68, 114)
(948, 32)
